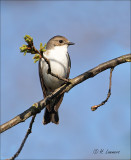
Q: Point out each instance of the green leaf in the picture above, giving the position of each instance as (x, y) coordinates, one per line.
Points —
(41, 45)
(28, 39)
(36, 60)
(37, 56)
(23, 48)
(45, 45)
(42, 48)
(25, 53)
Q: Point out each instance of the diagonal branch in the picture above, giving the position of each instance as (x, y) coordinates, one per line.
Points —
(38, 106)
(24, 140)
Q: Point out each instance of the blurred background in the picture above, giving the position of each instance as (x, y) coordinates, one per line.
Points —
(101, 32)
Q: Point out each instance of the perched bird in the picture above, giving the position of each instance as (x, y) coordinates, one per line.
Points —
(56, 52)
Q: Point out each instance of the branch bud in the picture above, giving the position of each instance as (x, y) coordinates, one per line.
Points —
(23, 48)
(42, 48)
(28, 39)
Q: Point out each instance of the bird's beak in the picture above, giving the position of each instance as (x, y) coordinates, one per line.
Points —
(71, 43)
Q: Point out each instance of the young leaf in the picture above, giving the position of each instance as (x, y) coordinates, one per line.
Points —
(36, 60)
(36, 56)
(25, 53)
(28, 39)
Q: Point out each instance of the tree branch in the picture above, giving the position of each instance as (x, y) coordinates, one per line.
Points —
(93, 108)
(38, 106)
(25, 138)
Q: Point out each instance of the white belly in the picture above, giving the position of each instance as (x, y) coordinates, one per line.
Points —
(59, 66)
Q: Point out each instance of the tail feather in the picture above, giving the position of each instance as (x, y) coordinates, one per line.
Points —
(50, 117)
(51, 111)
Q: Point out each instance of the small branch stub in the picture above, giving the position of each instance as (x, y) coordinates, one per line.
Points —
(93, 108)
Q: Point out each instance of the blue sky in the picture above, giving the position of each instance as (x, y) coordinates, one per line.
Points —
(100, 31)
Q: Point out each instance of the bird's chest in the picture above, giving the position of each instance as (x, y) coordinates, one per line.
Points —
(59, 65)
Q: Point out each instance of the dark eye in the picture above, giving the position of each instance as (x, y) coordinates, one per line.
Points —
(60, 41)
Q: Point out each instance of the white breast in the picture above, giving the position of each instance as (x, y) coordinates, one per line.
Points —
(59, 65)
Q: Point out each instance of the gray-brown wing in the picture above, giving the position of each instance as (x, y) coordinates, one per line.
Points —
(42, 81)
(44, 89)
(61, 97)
(69, 64)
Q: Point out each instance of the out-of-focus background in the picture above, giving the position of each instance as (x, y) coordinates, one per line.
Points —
(100, 31)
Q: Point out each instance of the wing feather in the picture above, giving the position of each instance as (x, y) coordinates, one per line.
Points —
(44, 89)
(69, 65)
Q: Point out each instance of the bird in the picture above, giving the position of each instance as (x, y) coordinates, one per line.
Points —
(60, 63)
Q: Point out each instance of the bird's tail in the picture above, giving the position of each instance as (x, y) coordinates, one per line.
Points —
(51, 116)
(51, 111)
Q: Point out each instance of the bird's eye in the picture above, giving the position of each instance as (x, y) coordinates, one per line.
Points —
(60, 41)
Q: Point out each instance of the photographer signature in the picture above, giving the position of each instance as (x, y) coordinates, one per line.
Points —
(105, 151)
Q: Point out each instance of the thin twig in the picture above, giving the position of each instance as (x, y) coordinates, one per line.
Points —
(24, 140)
(93, 108)
(60, 78)
(31, 49)
(49, 66)
(50, 72)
